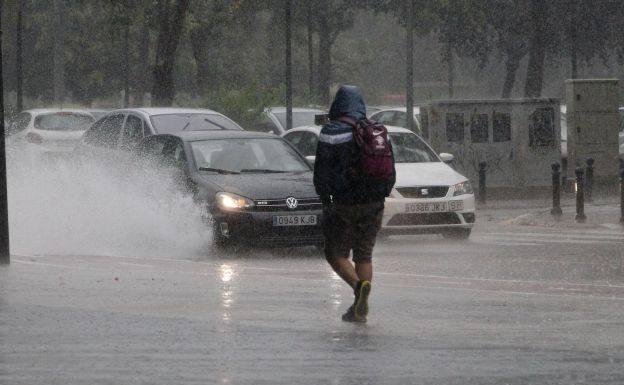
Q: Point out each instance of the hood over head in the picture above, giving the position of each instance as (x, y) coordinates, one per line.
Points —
(348, 101)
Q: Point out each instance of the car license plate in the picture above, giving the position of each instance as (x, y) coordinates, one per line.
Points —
(456, 205)
(294, 220)
(434, 207)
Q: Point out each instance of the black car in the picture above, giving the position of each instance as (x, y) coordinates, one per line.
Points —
(256, 186)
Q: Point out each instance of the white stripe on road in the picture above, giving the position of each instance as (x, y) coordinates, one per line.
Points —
(613, 236)
(538, 242)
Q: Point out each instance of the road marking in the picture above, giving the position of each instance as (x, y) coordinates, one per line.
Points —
(445, 278)
(539, 239)
(582, 235)
(512, 292)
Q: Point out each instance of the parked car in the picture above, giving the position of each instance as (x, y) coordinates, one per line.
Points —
(429, 196)
(49, 130)
(274, 119)
(396, 116)
(125, 128)
(97, 113)
(256, 186)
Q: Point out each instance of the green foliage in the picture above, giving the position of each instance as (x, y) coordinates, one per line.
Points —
(231, 51)
(247, 104)
(244, 105)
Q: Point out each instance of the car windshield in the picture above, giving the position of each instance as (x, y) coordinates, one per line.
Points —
(167, 123)
(247, 155)
(300, 118)
(409, 148)
(63, 121)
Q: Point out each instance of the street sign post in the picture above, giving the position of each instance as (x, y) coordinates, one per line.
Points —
(4, 206)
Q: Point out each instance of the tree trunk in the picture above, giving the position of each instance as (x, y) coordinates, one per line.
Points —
(126, 60)
(288, 66)
(574, 39)
(310, 51)
(537, 50)
(200, 45)
(19, 73)
(4, 206)
(144, 53)
(574, 60)
(163, 88)
(512, 63)
(324, 55)
(59, 52)
(409, 79)
(451, 69)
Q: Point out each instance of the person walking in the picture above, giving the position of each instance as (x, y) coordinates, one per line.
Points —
(353, 184)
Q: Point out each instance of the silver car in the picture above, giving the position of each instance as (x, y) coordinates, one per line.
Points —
(274, 119)
(49, 130)
(125, 128)
(397, 116)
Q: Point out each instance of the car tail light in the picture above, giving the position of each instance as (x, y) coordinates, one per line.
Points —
(34, 138)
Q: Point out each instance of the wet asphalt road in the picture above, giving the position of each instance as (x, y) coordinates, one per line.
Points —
(514, 305)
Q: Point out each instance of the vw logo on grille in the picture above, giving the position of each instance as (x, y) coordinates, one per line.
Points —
(291, 203)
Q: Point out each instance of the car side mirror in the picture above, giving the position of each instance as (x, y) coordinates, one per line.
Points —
(321, 119)
(446, 157)
(311, 159)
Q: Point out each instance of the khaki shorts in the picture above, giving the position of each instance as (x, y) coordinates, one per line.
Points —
(351, 227)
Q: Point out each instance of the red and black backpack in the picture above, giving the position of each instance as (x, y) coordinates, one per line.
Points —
(375, 151)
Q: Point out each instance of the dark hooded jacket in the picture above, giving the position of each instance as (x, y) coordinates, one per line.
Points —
(336, 177)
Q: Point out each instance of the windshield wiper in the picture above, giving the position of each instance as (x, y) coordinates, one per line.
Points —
(261, 170)
(186, 125)
(220, 171)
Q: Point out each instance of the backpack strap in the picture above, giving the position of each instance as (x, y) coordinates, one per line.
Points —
(348, 120)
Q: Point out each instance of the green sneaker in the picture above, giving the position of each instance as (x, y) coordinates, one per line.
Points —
(362, 290)
(350, 316)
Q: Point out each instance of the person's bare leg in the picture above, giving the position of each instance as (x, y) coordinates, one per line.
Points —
(345, 270)
(364, 270)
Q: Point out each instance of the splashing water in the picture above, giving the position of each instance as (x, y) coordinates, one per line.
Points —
(99, 206)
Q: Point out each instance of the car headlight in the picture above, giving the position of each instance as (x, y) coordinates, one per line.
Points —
(229, 201)
(462, 188)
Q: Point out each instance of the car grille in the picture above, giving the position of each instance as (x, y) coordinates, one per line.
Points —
(423, 191)
(303, 204)
(424, 219)
(291, 241)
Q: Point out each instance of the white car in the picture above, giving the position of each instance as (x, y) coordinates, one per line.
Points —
(429, 196)
(125, 128)
(274, 119)
(396, 116)
(50, 130)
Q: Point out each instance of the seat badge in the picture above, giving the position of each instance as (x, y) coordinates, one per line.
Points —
(424, 191)
(291, 203)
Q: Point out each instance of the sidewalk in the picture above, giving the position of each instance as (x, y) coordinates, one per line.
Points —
(598, 215)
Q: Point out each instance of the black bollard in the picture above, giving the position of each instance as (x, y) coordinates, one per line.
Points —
(482, 192)
(556, 190)
(622, 196)
(580, 196)
(589, 179)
